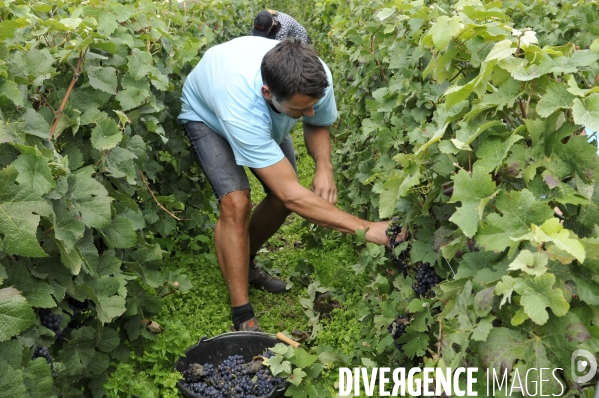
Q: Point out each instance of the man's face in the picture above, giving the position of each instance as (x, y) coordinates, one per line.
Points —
(295, 107)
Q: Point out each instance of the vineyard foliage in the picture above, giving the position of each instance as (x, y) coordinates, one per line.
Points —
(465, 119)
(97, 186)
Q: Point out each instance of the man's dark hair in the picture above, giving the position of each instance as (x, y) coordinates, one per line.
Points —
(291, 68)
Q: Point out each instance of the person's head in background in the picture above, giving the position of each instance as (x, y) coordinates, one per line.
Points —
(265, 24)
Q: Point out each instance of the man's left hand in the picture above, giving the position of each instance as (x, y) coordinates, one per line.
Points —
(324, 186)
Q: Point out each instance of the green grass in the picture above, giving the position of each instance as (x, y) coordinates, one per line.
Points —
(204, 311)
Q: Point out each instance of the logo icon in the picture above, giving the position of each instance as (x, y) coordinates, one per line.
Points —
(583, 366)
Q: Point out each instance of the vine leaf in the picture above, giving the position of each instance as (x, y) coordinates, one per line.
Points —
(530, 263)
(483, 328)
(556, 97)
(35, 124)
(32, 67)
(302, 359)
(89, 198)
(38, 292)
(140, 64)
(134, 93)
(538, 294)
(16, 314)
(553, 231)
(106, 135)
(11, 382)
(121, 233)
(586, 112)
(443, 30)
(34, 173)
(102, 78)
(474, 192)
(502, 348)
(278, 365)
(20, 211)
(38, 378)
(519, 211)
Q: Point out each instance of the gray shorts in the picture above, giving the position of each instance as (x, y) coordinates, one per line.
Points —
(215, 157)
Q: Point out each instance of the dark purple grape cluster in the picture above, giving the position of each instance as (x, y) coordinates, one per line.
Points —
(400, 261)
(52, 321)
(76, 306)
(232, 378)
(426, 278)
(398, 328)
(41, 351)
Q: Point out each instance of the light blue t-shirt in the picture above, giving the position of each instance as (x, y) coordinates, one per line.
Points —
(225, 91)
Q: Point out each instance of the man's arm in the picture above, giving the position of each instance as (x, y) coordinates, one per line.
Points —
(318, 143)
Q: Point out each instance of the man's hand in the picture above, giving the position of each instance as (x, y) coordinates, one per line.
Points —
(323, 184)
(318, 143)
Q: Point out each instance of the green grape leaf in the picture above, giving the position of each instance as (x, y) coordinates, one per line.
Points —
(556, 97)
(101, 291)
(553, 231)
(502, 348)
(296, 377)
(278, 365)
(483, 328)
(538, 294)
(103, 78)
(442, 31)
(16, 314)
(134, 93)
(8, 29)
(119, 163)
(397, 187)
(120, 233)
(530, 263)
(20, 211)
(502, 49)
(302, 359)
(586, 111)
(107, 24)
(474, 192)
(517, 67)
(89, 198)
(68, 227)
(106, 135)
(70, 258)
(519, 211)
(10, 90)
(140, 64)
(38, 378)
(506, 288)
(385, 13)
(110, 340)
(38, 292)
(32, 67)
(415, 344)
(11, 383)
(306, 390)
(493, 151)
(34, 173)
(35, 124)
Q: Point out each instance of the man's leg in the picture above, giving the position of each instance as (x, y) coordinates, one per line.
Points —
(232, 189)
(267, 218)
(232, 244)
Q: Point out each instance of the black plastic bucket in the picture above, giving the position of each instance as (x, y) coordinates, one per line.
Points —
(217, 349)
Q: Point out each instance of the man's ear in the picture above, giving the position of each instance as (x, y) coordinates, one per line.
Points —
(266, 93)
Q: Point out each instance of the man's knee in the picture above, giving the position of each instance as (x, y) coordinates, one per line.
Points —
(236, 204)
